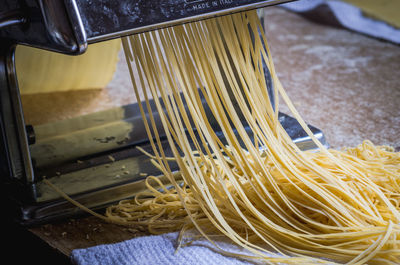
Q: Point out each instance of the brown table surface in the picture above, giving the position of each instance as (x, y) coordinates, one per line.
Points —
(342, 82)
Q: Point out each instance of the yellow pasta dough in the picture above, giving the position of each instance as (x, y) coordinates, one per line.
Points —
(41, 71)
(385, 10)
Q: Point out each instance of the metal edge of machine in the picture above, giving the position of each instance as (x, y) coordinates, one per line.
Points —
(114, 22)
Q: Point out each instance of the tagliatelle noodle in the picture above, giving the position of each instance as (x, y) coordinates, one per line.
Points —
(282, 204)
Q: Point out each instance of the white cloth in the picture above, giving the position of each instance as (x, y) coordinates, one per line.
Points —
(350, 17)
(159, 249)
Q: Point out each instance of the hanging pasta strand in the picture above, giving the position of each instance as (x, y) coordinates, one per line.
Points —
(282, 204)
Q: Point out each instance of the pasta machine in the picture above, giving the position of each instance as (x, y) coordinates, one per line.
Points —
(87, 172)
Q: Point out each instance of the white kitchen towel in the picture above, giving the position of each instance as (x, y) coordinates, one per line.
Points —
(350, 17)
(159, 249)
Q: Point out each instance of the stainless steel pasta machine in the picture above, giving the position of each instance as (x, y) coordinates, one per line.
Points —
(87, 172)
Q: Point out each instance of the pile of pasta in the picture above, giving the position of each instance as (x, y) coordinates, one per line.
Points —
(282, 204)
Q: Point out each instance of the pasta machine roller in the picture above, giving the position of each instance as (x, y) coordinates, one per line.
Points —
(85, 172)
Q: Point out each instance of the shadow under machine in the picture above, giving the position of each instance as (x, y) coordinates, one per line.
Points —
(92, 157)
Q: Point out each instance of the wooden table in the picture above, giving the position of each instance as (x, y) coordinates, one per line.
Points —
(342, 82)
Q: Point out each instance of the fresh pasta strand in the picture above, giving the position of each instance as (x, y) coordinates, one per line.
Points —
(282, 204)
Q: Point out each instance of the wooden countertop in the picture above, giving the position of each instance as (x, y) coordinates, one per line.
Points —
(342, 82)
